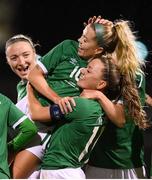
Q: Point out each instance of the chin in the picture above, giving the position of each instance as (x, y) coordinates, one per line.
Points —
(81, 86)
(79, 53)
(23, 77)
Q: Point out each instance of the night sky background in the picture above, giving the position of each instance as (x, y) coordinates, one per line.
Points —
(48, 24)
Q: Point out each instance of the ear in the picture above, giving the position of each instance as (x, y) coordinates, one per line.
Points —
(101, 85)
(99, 50)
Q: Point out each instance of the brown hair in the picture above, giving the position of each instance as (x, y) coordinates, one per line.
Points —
(111, 75)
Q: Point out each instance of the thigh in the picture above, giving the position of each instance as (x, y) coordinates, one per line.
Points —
(24, 165)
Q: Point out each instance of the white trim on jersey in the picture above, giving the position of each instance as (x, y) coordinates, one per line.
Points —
(19, 121)
(141, 78)
(42, 67)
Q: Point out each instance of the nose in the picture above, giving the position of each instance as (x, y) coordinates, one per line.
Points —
(21, 61)
(80, 39)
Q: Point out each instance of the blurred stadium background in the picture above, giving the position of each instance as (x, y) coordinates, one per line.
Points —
(49, 24)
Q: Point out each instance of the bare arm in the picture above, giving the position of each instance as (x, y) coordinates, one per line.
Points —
(36, 110)
(115, 112)
(40, 113)
(36, 78)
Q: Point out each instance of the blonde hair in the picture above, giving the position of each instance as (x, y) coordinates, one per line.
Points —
(120, 39)
(18, 38)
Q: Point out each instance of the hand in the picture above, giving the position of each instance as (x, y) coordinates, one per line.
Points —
(29, 88)
(148, 100)
(66, 104)
(90, 94)
(99, 20)
(91, 20)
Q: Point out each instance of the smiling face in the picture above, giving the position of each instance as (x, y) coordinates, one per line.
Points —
(92, 76)
(21, 57)
(88, 46)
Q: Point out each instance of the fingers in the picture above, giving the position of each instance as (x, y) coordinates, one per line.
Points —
(97, 20)
(66, 104)
(90, 20)
(106, 22)
(100, 20)
(29, 87)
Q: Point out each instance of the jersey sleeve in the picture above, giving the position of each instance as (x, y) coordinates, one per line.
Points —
(27, 130)
(16, 119)
(15, 116)
(53, 57)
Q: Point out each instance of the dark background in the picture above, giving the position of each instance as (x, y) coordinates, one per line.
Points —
(49, 22)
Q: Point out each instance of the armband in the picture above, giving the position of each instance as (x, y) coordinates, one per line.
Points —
(55, 113)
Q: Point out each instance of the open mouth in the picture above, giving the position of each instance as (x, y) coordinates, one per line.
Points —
(81, 76)
(23, 70)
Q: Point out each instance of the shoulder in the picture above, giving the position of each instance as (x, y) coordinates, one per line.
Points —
(87, 104)
(85, 109)
(5, 102)
(69, 43)
(4, 99)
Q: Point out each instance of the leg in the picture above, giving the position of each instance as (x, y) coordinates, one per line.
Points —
(24, 165)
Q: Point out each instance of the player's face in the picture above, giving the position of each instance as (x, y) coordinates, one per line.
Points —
(21, 57)
(88, 46)
(92, 76)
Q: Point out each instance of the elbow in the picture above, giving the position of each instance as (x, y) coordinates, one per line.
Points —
(121, 123)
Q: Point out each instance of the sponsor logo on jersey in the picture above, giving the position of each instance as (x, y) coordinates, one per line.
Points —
(73, 61)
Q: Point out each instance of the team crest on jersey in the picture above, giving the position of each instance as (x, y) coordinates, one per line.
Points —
(73, 61)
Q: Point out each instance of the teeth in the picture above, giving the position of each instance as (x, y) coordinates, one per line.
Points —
(22, 68)
(81, 76)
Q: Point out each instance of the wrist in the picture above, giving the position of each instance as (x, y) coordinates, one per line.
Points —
(56, 99)
(99, 95)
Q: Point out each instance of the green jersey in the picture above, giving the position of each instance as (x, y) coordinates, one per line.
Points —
(141, 85)
(21, 90)
(62, 67)
(70, 145)
(11, 116)
(120, 148)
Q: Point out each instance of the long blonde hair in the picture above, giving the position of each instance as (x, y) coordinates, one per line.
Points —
(119, 39)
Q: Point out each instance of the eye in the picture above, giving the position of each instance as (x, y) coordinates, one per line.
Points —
(83, 38)
(26, 55)
(13, 58)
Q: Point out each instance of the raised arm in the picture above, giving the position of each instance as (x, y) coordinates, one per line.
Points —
(37, 79)
(44, 114)
(114, 111)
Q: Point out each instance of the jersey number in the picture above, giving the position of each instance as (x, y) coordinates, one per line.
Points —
(75, 73)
